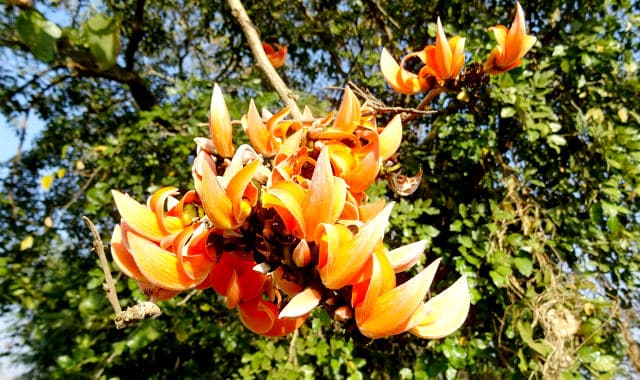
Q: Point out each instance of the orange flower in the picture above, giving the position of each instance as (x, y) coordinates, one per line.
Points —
(389, 310)
(276, 57)
(513, 44)
(303, 210)
(227, 200)
(164, 252)
(444, 60)
(267, 139)
(401, 80)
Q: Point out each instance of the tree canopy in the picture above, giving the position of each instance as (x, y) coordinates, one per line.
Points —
(529, 185)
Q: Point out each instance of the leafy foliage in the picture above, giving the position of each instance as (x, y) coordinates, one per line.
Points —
(530, 182)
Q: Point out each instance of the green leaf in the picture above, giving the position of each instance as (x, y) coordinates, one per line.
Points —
(507, 112)
(524, 265)
(604, 363)
(103, 37)
(38, 33)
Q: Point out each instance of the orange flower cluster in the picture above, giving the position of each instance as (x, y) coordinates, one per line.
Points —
(283, 225)
(444, 60)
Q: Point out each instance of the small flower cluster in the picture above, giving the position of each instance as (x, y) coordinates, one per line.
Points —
(444, 60)
(284, 225)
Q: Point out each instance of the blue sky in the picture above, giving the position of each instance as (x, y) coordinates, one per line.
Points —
(9, 137)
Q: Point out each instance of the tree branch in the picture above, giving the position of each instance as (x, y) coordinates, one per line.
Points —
(137, 32)
(141, 310)
(250, 32)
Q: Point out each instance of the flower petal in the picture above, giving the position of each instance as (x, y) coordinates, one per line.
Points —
(446, 312)
(215, 202)
(390, 138)
(220, 124)
(398, 78)
(344, 263)
(325, 198)
(301, 304)
(348, 116)
(160, 267)
(391, 311)
(122, 258)
(405, 257)
(141, 219)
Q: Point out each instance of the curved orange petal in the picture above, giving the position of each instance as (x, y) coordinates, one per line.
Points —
(255, 129)
(301, 304)
(398, 78)
(217, 206)
(237, 186)
(348, 116)
(251, 284)
(122, 258)
(325, 198)
(446, 312)
(457, 59)
(383, 279)
(344, 263)
(284, 326)
(258, 315)
(368, 163)
(233, 291)
(220, 124)
(392, 310)
(160, 267)
(141, 219)
(286, 198)
(443, 54)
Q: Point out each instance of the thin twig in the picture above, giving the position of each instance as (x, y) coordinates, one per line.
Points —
(109, 287)
(16, 161)
(188, 297)
(250, 32)
(135, 313)
(293, 354)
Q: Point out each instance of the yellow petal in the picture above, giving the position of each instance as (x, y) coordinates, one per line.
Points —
(220, 124)
(390, 138)
(405, 257)
(160, 267)
(46, 181)
(382, 280)
(301, 304)
(446, 312)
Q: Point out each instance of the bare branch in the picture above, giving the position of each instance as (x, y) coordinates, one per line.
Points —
(250, 32)
(109, 287)
(135, 313)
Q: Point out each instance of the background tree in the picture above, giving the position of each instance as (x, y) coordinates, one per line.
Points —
(530, 181)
